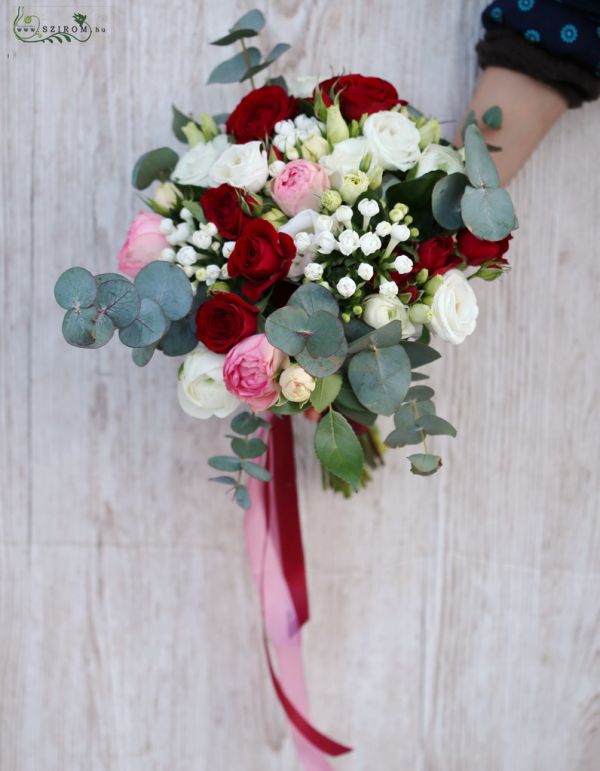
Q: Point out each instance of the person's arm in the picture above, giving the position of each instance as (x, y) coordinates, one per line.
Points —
(529, 109)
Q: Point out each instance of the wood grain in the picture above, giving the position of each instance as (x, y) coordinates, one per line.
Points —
(455, 620)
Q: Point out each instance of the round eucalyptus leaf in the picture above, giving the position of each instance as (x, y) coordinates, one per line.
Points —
(75, 288)
(445, 200)
(179, 340)
(481, 169)
(78, 326)
(322, 366)
(381, 378)
(285, 329)
(103, 331)
(313, 297)
(424, 464)
(152, 165)
(119, 299)
(149, 327)
(326, 334)
(168, 286)
(102, 278)
(142, 356)
(488, 212)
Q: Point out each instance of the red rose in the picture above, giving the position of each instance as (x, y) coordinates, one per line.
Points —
(360, 95)
(258, 112)
(262, 256)
(476, 251)
(224, 320)
(223, 206)
(436, 254)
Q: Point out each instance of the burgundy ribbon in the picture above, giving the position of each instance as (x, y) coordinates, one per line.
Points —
(274, 542)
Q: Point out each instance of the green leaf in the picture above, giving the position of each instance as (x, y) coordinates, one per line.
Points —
(180, 120)
(424, 464)
(347, 403)
(380, 378)
(248, 448)
(416, 194)
(492, 117)
(419, 376)
(322, 366)
(242, 497)
(142, 356)
(75, 288)
(326, 391)
(488, 212)
(481, 169)
(224, 480)
(419, 393)
(234, 36)
(150, 325)
(389, 334)
(436, 426)
(155, 164)
(287, 408)
(119, 299)
(180, 339)
(285, 329)
(312, 298)
(233, 70)
(469, 120)
(78, 326)
(253, 20)
(102, 278)
(325, 334)
(168, 286)
(225, 463)
(446, 198)
(404, 435)
(356, 328)
(338, 448)
(278, 81)
(103, 331)
(195, 208)
(420, 354)
(247, 423)
(277, 51)
(256, 470)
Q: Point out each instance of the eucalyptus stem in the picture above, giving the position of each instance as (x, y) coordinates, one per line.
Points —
(247, 61)
(423, 434)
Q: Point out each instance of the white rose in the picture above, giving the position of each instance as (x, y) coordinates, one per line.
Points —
(346, 286)
(379, 311)
(241, 166)
(346, 157)
(454, 308)
(304, 86)
(193, 168)
(436, 157)
(296, 384)
(393, 140)
(201, 390)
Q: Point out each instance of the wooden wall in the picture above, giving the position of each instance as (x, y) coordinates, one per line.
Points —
(455, 619)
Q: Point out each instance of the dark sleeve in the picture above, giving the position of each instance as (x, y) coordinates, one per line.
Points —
(556, 43)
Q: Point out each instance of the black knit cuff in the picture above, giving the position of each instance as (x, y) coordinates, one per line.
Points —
(506, 48)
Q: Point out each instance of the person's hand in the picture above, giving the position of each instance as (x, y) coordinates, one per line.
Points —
(529, 109)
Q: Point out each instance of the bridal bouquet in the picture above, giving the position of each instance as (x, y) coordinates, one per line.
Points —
(301, 252)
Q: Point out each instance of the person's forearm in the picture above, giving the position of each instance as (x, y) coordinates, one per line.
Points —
(529, 109)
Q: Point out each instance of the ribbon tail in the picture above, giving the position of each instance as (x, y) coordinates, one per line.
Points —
(274, 543)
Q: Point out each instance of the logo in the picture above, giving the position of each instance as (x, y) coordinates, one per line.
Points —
(29, 28)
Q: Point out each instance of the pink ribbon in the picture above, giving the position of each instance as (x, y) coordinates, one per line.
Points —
(274, 543)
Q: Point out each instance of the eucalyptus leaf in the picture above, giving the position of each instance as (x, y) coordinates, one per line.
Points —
(277, 51)
(119, 299)
(424, 464)
(155, 164)
(380, 378)
(404, 435)
(436, 426)
(446, 200)
(233, 70)
(253, 20)
(168, 286)
(326, 391)
(225, 463)
(325, 334)
(148, 328)
(142, 356)
(242, 497)
(75, 288)
(416, 194)
(481, 169)
(256, 470)
(488, 212)
(313, 297)
(285, 329)
(224, 480)
(322, 366)
(419, 393)
(247, 423)
(248, 448)
(179, 339)
(234, 36)
(419, 354)
(338, 449)
(389, 334)
(492, 117)
(78, 326)
(104, 329)
(102, 278)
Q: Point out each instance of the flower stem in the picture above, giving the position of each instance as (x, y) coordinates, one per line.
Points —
(247, 61)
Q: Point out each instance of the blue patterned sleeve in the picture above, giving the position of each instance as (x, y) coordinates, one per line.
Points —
(565, 29)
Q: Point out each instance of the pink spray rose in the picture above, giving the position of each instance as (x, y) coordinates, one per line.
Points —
(143, 244)
(300, 186)
(249, 372)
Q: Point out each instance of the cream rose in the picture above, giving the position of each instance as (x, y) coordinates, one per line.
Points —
(201, 390)
(393, 140)
(193, 168)
(296, 384)
(241, 166)
(441, 157)
(346, 157)
(454, 308)
(379, 311)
